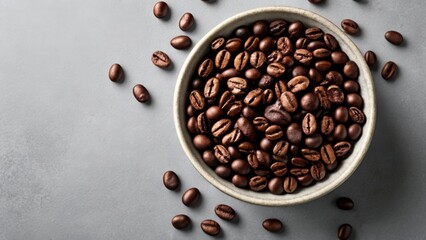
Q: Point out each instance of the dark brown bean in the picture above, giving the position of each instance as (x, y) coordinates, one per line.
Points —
(344, 232)
(345, 203)
(276, 70)
(196, 100)
(181, 221)
(225, 212)
(222, 59)
(350, 26)
(266, 44)
(351, 70)
(160, 59)
(335, 94)
(339, 57)
(351, 86)
(116, 73)
(222, 154)
(354, 131)
(309, 124)
(237, 85)
(389, 70)
(275, 186)
(190, 196)
(322, 96)
(311, 154)
(288, 101)
(257, 59)
(394, 37)
(309, 102)
(290, 184)
(316, 1)
(357, 115)
(314, 33)
(327, 125)
(279, 168)
(272, 225)
(241, 60)
(181, 42)
(161, 9)
(277, 27)
(327, 154)
(285, 45)
(201, 142)
(318, 171)
(240, 166)
(330, 41)
(273, 132)
(171, 180)
(370, 57)
(296, 29)
(258, 183)
(246, 128)
(341, 149)
(217, 44)
(210, 227)
(233, 44)
(239, 181)
(260, 28)
(221, 127)
(141, 93)
(205, 68)
(260, 123)
(251, 44)
(298, 84)
(186, 22)
(254, 97)
(303, 56)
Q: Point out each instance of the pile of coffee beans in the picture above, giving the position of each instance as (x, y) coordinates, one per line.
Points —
(275, 106)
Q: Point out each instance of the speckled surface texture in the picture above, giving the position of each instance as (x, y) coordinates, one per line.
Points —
(81, 159)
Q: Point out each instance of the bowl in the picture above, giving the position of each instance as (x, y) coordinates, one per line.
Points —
(346, 168)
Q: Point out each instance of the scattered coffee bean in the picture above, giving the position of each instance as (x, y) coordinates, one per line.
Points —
(394, 37)
(181, 221)
(116, 73)
(190, 196)
(210, 227)
(344, 232)
(389, 70)
(141, 93)
(345, 203)
(171, 180)
(316, 1)
(186, 22)
(350, 26)
(181, 42)
(272, 225)
(161, 9)
(225, 212)
(160, 59)
(370, 58)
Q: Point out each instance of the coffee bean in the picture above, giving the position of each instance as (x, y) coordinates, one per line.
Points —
(335, 94)
(300, 163)
(354, 131)
(223, 171)
(327, 154)
(273, 132)
(344, 232)
(257, 59)
(181, 221)
(201, 142)
(267, 96)
(266, 44)
(252, 74)
(341, 149)
(300, 71)
(222, 59)
(221, 127)
(318, 171)
(303, 56)
(239, 181)
(233, 44)
(205, 68)
(277, 28)
(309, 102)
(350, 26)
(209, 158)
(339, 57)
(260, 123)
(181, 42)
(225, 212)
(241, 60)
(237, 85)
(116, 73)
(323, 97)
(351, 70)
(357, 115)
(305, 180)
(254, 97)
(285, 46)
(315, 44)
(186, 22)
(288, 101)
(345, 203)
(217, 44)
(192, 125)
(257, 183)
(316, 1)
(296, 29)
(279, 169)
(370, 58)
(276, 70)
(260, 28)
(210, 227)
(333, 77)
(389, 70)
(197, 100)
(316, 75)
(290, 184)
(394, 37)
(211, 89)
(246, 147)
(309, 124)
(298, 84)
(279, 88)
(242, 32)
(340, 132)
(233, 137)
(240, 166)
(351, 86)
(280, 150)
(171, 180)
(341, 114)
(246, 128)
(294, 133)
(214, 113)
(310, 154)
(275, 186)
(141, 93)
(266, 81)
(190, 196)
(330, 41)
(160, 59)
(354, 99)
(327, 125)
(313, 141)
(277, 115)
(161, 9)
(272, 225)
(314, 33)
(251, 44)
(222, 154)
(197, 84)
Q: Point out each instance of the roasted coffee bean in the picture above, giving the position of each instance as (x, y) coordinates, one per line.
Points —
(345, 203)
(279, 169)
(331, 167)
(273, 132)
(240, 166)
(314, 45)
(190, 110)
(327, 125)
(190, 196)
(260, 123)
(267, 96)
(229, 73)
(181, 221)
(242, 32)
(310, 154)
(302, 43)
(186, 22)
(237, 85)
(210, 227)
(277, 115)
(181, 42)
(266, 145)
(205, 68)
(354, 131)
(341, 149)
(266, 44)
(260, 28)
(246, 147)
(233, 44)
(276, 70)
(280, 150)
(197, 84)
(351, 70)
(314, 33)
(316, 1)
(275, 56)
(222, 59)
(221, 127)
(309, 102)
(299, 162)
(275, 186)
(300, 71)
(341, 114)
(197, 100)
(313, 141)
(239, 181)
(339, 57)
(171, 180)
(263, 158)
(241, 60)
(257, 59)
(116, 73)
(233, 151)
(277, 28)
(344, 232)
(350, 26)
(161, 9)
(335, 94)
(226, 100)
(330, 41)
(258, 183)
(298, 84)
(327, 154)
(209, 158)
(357, 115)
(214, 113)
(321, 53)
(251, 44)
(340, 132)
(160, 59)
(141, 93)
(217, 44)
(233, 137)
(309, 124)
(288, 101)
(246, 128)
(389, 70)
(272, 225)
(254, 97)
(235, 108)
(223, 171)
(296, 29)
(192, 125)
(305, 180)
(290, 184)
(266, 82)
(285, 45)
(322, 66)
(294, 133)
(351, 86)
(280, 87)
(225, 212)
(252, 74)
(303, 56)
(211, 89)
(322, 96)
(222, 154)
(370, 57)
(394, 37)
(333, 77)
(354, 99)
(294, 150)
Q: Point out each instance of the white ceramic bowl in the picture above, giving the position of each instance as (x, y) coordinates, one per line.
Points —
(346, 168)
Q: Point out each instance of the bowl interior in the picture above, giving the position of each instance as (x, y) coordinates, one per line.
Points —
(347, 166)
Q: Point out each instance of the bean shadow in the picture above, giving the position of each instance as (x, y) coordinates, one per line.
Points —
(210, 1)
(361, 1)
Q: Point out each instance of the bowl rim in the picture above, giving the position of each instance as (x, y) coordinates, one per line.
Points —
(197, 162)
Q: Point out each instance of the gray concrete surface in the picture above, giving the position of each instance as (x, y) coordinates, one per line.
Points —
(81, 159)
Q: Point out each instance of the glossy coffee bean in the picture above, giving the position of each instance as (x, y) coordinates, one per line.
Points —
(309, 102)
(181, 42)
(210, 227)
(240, 166)
(258, 183)
(239, 181)
(339, 57)
(351, 86)
(313, 141)
(309, 124)
(205, 68)
(252, 74)
(330, 41)
(345, 203)
(290, 184)
(394, 37)
(214, 113)
(275, 186)
(327, 154)
(209, 158)
(314, 33)
(341, 149)
(272, 225)
(225, 212)
(260, 28)
(340, 132)
(201, 142)
(266, 44)
(294, 133)
(311, 154)
(303, 56)
(190, 196)
(389, 70)
(116, 73)
(341, 114)
(161, 9)
(344, 232)
(298, 84)
(186, 22)
(370, 58)
(354, 131)
(288, 101)
(354, 99)
(181, 221)
(356, 115)
(296, 29)
(141, 93)
(160, 59)
(171, 180)
(277, 27)
(351, 70)
(350, 26)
